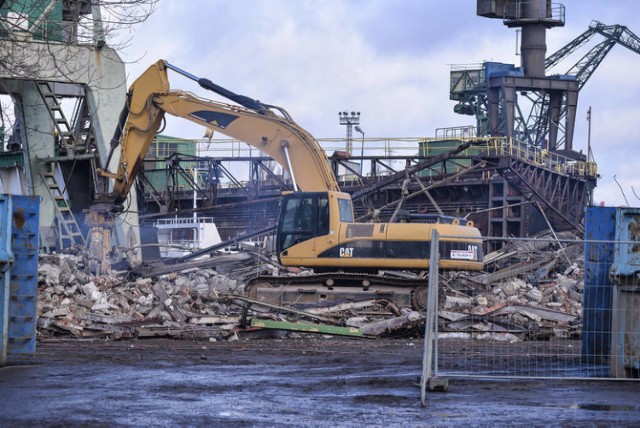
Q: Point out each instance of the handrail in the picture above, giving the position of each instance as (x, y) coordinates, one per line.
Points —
(184, 221)
(481, 147)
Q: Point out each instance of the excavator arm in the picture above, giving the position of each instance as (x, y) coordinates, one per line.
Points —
(267, 128)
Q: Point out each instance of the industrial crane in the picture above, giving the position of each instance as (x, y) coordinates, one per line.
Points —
(470, 87)
(582, 70)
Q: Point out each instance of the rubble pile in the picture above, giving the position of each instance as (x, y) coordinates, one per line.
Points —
(528, 291)
(529, 294)
(185, 305)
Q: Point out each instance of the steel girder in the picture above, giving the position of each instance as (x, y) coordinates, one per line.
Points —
(562, 196)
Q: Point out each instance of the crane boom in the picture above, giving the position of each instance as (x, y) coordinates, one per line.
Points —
(583, 69)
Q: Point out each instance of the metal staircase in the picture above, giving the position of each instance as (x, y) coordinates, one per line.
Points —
(68, 231)
(73, 137)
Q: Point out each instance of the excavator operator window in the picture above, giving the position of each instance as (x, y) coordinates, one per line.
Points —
(303, 217)
(346, 211)
(323, 216)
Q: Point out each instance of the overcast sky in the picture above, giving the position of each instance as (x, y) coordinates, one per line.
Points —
(389, 60)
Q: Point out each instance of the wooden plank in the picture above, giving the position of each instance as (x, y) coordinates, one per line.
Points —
(103, 319)
(279, 308)
(167, 302)
(392, 324)
(187, 331)
(212, 319)
(342, 307)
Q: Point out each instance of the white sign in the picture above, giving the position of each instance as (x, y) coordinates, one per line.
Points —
(471, 253)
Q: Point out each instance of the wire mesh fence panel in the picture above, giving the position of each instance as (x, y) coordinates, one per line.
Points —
(543, 308)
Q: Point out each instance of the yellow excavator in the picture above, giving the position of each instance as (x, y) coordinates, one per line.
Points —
(316, 227)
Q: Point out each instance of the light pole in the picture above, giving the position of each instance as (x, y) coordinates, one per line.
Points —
(358, 129)
(349, 120)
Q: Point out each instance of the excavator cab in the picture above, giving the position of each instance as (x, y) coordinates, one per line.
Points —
(307, 215)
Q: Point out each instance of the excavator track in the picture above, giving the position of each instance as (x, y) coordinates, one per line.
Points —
(338, 287)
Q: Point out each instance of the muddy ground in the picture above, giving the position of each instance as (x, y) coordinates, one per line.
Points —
(309, 381)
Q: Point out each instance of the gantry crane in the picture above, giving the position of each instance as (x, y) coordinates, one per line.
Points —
(535, 130)
(540, 113)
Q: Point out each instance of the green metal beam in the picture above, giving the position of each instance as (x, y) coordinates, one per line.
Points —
(307, 328)
(9, 159)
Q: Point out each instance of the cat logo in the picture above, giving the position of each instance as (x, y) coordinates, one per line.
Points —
(346, 252)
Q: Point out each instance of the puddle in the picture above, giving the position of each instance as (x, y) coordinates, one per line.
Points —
(606, 407)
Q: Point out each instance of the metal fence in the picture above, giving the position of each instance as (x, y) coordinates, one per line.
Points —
(542, 308)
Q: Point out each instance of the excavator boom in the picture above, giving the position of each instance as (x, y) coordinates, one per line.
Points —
(276, 135)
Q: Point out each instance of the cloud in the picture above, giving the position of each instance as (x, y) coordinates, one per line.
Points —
(388, 59)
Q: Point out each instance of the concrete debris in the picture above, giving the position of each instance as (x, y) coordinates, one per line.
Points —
(180, 305)
(527, 292)
(534, 295)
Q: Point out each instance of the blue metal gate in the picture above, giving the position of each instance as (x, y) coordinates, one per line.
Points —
(19, 216)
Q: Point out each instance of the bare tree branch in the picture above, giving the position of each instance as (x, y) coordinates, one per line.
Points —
(45, 38)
